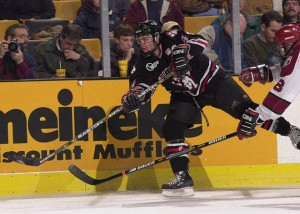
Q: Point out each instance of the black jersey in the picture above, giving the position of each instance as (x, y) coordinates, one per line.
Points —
(148, 70)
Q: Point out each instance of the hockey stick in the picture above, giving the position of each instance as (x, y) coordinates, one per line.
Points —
(81, 175)
(167, 73)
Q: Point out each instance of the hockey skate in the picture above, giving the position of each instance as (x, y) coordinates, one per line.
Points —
(181, 186)
(295, 136)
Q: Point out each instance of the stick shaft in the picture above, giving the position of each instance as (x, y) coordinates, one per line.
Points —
(77, 172)
(101, 121)
(37, 161)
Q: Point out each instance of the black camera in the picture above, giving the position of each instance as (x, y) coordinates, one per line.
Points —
(13, 46)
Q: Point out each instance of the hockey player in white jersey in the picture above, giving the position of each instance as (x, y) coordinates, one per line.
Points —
(287, 78)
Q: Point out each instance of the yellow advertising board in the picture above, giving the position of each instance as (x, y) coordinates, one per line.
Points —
(38, 117)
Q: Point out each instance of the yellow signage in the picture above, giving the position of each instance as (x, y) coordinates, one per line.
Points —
(36, 118)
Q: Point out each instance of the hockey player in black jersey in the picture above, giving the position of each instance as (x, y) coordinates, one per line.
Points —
(196, 83)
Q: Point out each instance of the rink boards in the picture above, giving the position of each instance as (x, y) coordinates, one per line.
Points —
(40, 116)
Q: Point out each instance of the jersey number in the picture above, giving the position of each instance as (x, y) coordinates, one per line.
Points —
(278, 87)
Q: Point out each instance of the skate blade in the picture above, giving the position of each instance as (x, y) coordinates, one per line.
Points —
(183, 192)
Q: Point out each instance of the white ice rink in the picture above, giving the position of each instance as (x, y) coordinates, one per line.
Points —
(255, 201)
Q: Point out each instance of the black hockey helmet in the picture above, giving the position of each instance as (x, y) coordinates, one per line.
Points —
(147, 27)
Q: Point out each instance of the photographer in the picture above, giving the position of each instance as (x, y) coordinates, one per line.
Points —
(15, 63)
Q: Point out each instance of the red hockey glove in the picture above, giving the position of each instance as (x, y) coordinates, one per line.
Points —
(248, 122)
(180, 60)
(254, 74)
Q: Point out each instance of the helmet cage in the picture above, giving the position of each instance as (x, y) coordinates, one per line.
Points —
(148, 27)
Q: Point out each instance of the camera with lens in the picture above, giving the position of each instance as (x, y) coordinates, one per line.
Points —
(13, 46)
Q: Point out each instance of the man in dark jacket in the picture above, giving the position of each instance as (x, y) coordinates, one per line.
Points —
(120, 7)
(64, 51)
(123, 49)
(89, 19)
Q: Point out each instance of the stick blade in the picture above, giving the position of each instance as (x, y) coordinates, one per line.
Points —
(21, 159)
(81, 175)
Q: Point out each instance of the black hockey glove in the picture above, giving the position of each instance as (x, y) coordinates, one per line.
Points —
(248, 122)
(180, 60)
(131, 102)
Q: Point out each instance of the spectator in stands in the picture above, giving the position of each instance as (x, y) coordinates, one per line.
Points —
(123, 49)
(88, 18)
(200, 7)
(253, 22)
(26, 9)
(120, 7)
(219, 38)
(258, 47)
(291, 10)
(160, 11)
(15, 63)
(64, 51)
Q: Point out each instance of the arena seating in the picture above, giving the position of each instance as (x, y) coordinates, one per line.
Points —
(67, 9)
(4, 24)
(195, 24)
(93, 46)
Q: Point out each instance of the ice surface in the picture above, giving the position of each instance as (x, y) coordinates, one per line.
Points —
(277, 200)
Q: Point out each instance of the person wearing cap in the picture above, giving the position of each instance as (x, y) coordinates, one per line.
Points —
(290, 10)
(219, 38)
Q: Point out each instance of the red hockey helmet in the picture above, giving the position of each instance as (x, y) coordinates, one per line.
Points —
(287, 34)
(287, 38)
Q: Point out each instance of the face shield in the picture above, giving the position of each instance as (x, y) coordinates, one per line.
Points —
(147, 37)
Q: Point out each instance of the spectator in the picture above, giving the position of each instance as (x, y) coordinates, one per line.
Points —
(258, 47)
(291, 10)
(219, 38)
(88, 18)
(26, 9)
(15, 63)
(160, 11)
(123, 49)
(253, 23)
(64, 51)
(120, 7)
(200, 7)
